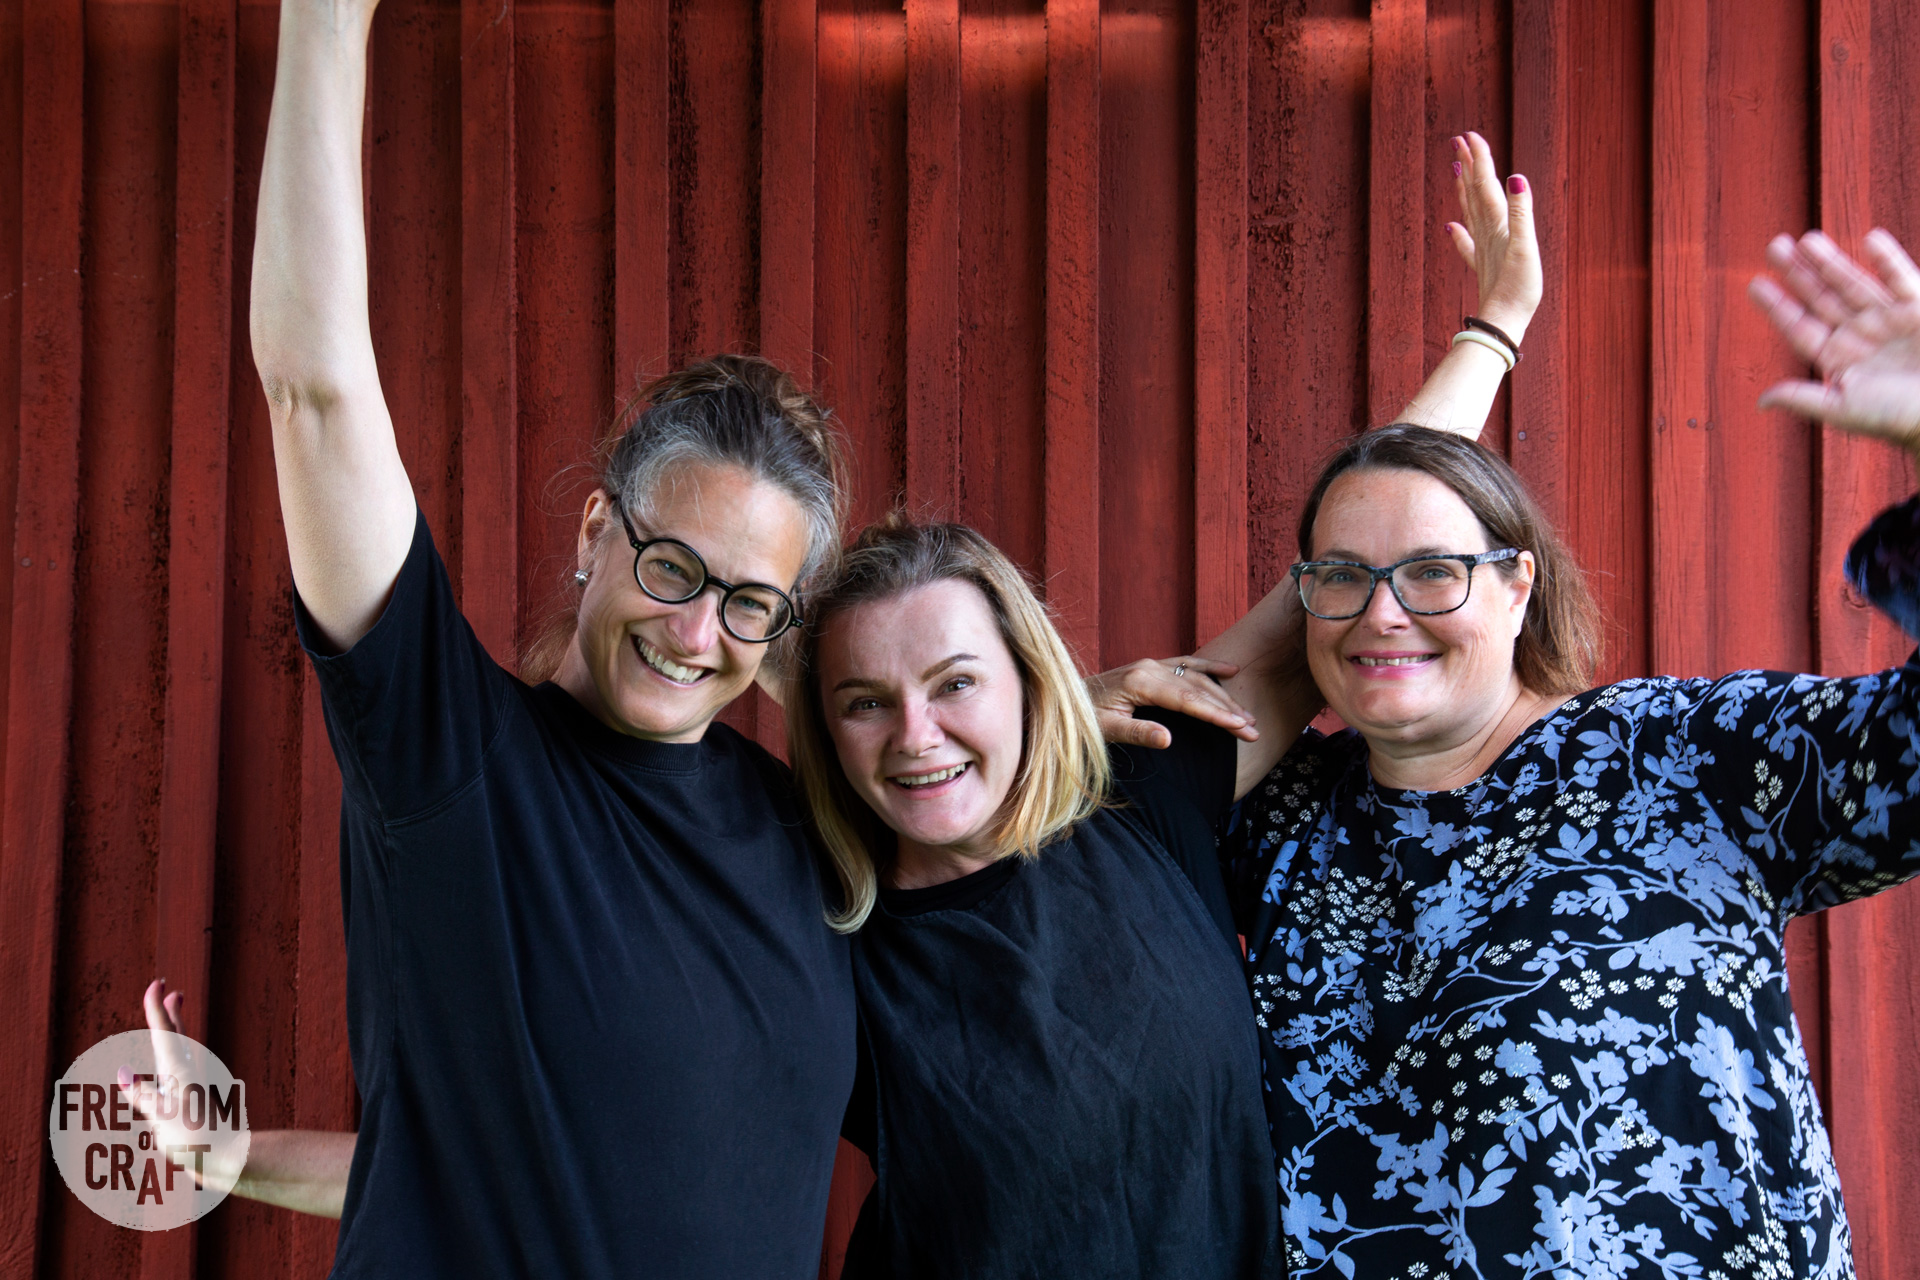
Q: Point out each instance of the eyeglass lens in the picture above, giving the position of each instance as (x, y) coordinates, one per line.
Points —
(672, 574)
(1424, 586)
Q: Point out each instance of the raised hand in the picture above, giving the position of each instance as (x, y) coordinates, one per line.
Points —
(171, 1069)
(1859, 329)
(1496, 238)
(1177, 684)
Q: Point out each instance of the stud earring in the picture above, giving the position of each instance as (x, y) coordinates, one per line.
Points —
(580, 577)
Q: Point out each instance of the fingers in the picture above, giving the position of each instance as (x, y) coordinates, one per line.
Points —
(1803, 330)
(1895, 267)
(163, 1007)
(1176, 684)
(1520, 214)
(1815, 401)
(1483, 181)
(1854, 285)
(1462, 243)
(1125, 730)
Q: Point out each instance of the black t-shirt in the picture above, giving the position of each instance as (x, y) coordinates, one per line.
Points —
(1065, 1080)
(598, 1021)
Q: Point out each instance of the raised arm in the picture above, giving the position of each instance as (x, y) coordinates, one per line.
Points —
(300, 1169)
(1497, 241)
(1265, 695)
(344, 495)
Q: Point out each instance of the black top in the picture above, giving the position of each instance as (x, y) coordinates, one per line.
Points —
(599, 1024)
(1539, 1025)
(1067, 1079)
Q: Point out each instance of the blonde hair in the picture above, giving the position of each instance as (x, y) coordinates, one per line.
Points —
(1064, 774)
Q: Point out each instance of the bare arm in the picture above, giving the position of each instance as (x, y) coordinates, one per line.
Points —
(1497, 242)
(1268, 644)
(345, 497)
(300, 1169)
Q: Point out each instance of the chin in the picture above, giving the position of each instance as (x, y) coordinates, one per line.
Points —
(1389, 716)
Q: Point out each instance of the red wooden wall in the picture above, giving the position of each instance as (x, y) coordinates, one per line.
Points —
(1105, 280)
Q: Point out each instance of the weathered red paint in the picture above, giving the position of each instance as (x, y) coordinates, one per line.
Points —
(1105, 281)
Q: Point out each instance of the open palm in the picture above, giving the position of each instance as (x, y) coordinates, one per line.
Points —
(1858, 329)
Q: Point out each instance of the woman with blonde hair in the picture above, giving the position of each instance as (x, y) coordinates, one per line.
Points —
(1062, 1078)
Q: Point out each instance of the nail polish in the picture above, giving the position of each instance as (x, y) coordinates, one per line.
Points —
(1516, 184)
(1456, 168)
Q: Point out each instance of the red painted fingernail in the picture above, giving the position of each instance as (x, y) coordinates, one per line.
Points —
(1456, 168)
(1516, 184)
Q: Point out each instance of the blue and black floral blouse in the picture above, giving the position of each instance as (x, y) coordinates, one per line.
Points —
(1539, 1026)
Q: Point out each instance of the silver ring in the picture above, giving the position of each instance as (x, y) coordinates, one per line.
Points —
(1179, 668)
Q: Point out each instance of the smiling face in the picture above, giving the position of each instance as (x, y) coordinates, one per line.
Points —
(1407, 677)
(663, 671)
(925, 708)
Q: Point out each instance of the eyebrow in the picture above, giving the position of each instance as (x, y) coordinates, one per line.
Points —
(1341, 553)
(863, 682)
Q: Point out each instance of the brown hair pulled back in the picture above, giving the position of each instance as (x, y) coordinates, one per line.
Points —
(1559, 644)
(730, 410)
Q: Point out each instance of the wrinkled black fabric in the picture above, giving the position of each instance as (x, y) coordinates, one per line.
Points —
(1066, 1080)
(598, 1022)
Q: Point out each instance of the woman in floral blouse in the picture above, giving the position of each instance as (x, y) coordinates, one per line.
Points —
(1516, 944)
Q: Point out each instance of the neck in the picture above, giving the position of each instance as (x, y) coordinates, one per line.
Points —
(1426, 765)
(919, 866)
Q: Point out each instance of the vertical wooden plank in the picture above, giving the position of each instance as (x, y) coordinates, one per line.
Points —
(860, 285)
(1856, 478)
(642, 205)
(1220, 318)
(1147, 328)
(788, 45)
(933, 257)
(1003, 272)
(197, 531)
(40, 663)
(787, 67)
(1607, 230)
(323, 1089)
(1396, 240)
(1541, 403)
(1677, 452)
(1308, 96)
(1072, 414)
(489, 419)
(1870, 1038)
(10, 203)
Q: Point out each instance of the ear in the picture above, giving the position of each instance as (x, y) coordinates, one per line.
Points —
(593, 526)
(1520, 590)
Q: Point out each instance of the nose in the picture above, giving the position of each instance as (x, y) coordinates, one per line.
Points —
(919, 732)
(695, 625)
(1384, 612)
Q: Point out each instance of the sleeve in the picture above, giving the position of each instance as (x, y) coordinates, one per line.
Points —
(1819, 779)
(1182, 796)
(411, 707)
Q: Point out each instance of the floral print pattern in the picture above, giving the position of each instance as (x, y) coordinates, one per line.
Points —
(1539, 1025)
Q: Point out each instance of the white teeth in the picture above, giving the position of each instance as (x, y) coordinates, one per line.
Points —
(671, 670)
(1410, 660)
(928, 779)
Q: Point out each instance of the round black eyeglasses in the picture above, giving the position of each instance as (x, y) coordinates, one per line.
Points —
(1426, 585)
(672, 572)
